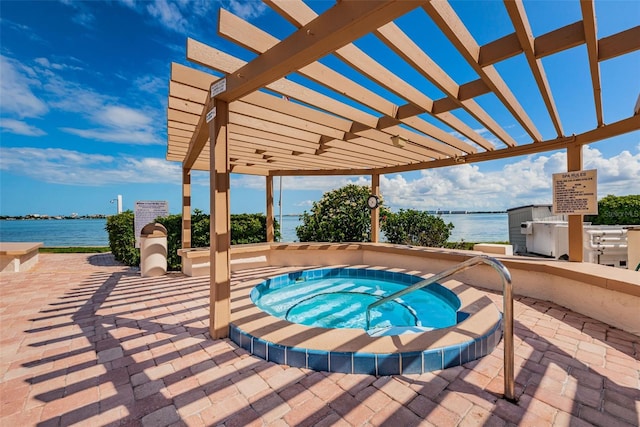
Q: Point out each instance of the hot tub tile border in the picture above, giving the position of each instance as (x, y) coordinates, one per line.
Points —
(414, 362)
(370, 363)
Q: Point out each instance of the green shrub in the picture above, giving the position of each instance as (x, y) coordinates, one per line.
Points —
(251, 228)
(245, 228)
(411, 227)
(341, 215)
(122, 239)
(617, 210)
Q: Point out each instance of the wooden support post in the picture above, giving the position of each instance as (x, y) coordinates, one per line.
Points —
(270, 225)
(220, 269)
(375, 213)
(574, 163)
(186, 208)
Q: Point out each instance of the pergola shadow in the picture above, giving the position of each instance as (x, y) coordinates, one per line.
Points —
(147, 359)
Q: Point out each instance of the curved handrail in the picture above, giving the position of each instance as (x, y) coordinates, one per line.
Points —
(507, 303)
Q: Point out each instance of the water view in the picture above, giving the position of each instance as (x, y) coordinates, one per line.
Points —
(91, 232)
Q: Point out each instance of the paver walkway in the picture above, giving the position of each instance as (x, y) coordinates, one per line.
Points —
(87, 342)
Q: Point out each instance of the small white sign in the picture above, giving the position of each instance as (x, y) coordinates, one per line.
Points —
(147, 211)
(211, 114)
(575, 193)
(218, 87)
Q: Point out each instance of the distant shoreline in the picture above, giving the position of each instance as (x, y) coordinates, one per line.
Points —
(104, 216)
(443, 212)
(47, 217)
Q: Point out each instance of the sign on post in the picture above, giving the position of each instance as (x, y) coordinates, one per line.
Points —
(218, 87)
(211, 114)
(146, 212)
(575, 193)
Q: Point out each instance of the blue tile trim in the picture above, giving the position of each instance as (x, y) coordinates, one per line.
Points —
(260, 348)
(364, 363)
(276, 354)
(318, 360)
(451, 357)
(388, 364)
(432, 360)
(296, 357)
(367, 363)
(341, 362)
(411, 363)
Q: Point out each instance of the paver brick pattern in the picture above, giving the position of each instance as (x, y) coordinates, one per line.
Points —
(85, 341)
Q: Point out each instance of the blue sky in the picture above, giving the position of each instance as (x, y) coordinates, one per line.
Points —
(84, 89)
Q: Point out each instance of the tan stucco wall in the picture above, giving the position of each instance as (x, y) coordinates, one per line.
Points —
(608, 294)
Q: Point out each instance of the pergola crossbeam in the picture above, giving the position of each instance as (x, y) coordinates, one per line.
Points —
(451, 25)
(259, 41)
(341, 24)
(591, 38)
(300, 14)
(515, 8)
(297, 129)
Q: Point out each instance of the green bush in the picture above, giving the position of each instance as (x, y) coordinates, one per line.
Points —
(245, 228)
(121, 238)
(341, 215)
(617, 210)
(411, 227)
(251, 228)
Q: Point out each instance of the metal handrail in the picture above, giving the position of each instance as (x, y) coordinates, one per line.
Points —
(507, 308)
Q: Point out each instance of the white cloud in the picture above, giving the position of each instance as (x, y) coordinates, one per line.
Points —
(45, 63)
(82, 16)
(523, 181)
(168, 14)
(20, 128)
(129, 3)
(120, 136)
(59, 166)
(151, 84)
(247, 9)
(16, 90)
(114, 121)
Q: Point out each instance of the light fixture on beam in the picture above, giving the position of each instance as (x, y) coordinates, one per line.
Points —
(399, 141)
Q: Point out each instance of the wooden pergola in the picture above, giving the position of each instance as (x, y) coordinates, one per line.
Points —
(287, 113)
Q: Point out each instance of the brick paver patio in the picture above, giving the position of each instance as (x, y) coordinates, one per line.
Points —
(85, 341)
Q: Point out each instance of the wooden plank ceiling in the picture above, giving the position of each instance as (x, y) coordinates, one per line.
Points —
(333, 124)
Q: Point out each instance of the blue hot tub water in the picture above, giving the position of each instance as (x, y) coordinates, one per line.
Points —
(338, 297)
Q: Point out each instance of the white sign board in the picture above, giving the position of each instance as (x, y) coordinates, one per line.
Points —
(218, 87)
(211, 114)
(575, 193)
(146, 212)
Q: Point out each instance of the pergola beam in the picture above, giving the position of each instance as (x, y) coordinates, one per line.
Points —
(407, 49)
(612, 130)
(252, 38)
(452, 146)
(343, 23)
(199, 139)
(450, 24)
(300, 14)
(619, 44)
(515, 8)
(316, 131)
(591, 38)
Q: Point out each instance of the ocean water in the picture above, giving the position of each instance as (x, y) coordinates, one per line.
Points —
(91, 232)
(56, 232)
(493, 227)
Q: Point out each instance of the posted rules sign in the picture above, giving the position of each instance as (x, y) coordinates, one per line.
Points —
(575, 193)
(146, 212)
